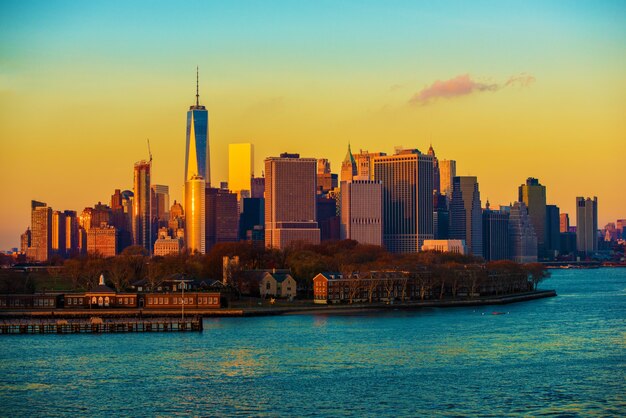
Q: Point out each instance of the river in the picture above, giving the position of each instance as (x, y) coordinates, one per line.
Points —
(555, 356)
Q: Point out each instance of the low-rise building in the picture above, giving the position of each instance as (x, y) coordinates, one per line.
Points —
(280, 285)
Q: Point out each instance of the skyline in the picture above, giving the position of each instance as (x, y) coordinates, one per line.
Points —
(506, 104)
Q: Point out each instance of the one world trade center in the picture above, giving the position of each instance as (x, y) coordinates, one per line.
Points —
(197, 149)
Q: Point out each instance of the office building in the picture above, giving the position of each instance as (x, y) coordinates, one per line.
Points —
(326, 181)
(447, 171)
(553, 234)
(197, 156)
(348, 166)
(456, 246)
(587, 225)
(441, 216)
(25, 241)
(253, 215)
(436, 174)
(160, 202)
(564, 223)
(141, 218)
(533, 194)
(58, 233)
(41, 232)
(407, 199)
(522, 238)
(222, 217)
(495, 234)
(361, 211)
(240, 167)
(102, 240)
(71, 233)
(166, 245)
(258, 187)
(466, 213)
(365, 164)
(327, 217)
(290, 201)
(195, 215)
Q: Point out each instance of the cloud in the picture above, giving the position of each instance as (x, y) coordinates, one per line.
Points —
(463, 85)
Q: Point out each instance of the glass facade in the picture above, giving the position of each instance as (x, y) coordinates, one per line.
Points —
(197, 144)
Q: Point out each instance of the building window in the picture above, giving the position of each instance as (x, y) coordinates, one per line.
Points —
(267, 286)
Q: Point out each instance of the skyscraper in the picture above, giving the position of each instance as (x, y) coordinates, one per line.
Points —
(160, 202)
(407, 194)
(533, 194)
(436, 174)
(553, 234)
(41, 232)
(71, 233)
(197, 143)
(564, 223)
(361, 211)
(466, 213)
(495, 234)
(365, 164)
(58, 233)
(240, 167)
(195, 218)
(348, 167)
(141, 206)
(221, 217)
(447, 171)
(290, 205)
(587, 225)
(522, 238)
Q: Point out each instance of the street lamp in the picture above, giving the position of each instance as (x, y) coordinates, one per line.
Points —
(183, 282)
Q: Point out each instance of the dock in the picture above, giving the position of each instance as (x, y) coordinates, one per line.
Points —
(99, 326)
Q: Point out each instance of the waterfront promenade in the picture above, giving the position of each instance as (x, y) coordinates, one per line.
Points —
(277, 310)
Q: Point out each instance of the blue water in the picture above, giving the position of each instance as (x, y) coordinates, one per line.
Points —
(557, 356)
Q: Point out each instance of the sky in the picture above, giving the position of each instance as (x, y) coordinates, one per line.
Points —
(508, 89)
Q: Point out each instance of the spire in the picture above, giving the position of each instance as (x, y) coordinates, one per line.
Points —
(349, 157)
(197, 86)
(431, 151)
(101, 283)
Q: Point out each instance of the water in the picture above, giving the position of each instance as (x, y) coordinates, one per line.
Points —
(557, 356)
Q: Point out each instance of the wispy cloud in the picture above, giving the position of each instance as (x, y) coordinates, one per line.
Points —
(463, 85)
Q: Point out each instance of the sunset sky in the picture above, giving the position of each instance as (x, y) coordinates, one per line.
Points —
(509, 90)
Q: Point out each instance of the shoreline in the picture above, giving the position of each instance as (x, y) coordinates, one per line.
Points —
(273, 311)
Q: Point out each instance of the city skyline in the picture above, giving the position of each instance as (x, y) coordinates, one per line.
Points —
(501, 119)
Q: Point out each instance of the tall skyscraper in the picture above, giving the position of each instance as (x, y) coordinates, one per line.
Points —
(587, 225)
(142, 228)
(407, 193)
(553, 234)
(326, 180)
(365, 164)
(25, 241)
(466, 213)
(447, 171)
(436, 174)
(533, 194)
(361, 211)
(495, 234)
(160, 202)
(240, 167)
(195, 215)
(71, 233)
(522, 238)
(290, 200)
(197, 155)
(41, 232)
(348, 167)
(564, 223)
(58, 233)
(222, 217)
(258, 187)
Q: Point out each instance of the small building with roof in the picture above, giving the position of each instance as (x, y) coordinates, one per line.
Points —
(277, 284)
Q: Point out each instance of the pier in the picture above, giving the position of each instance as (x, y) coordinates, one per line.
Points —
(99, 326)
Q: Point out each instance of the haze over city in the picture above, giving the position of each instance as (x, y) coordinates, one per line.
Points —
(508, 91)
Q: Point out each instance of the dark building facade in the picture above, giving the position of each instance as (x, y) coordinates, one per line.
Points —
(495, 235)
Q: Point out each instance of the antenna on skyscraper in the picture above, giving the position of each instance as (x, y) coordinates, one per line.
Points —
(149, 152)
(197, 86)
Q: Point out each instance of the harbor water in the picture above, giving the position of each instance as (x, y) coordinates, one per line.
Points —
(557, 356)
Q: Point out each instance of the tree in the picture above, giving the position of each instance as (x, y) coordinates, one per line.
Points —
(536, 273)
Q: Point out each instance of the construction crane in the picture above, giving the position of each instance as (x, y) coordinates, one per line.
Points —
(149, 152)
